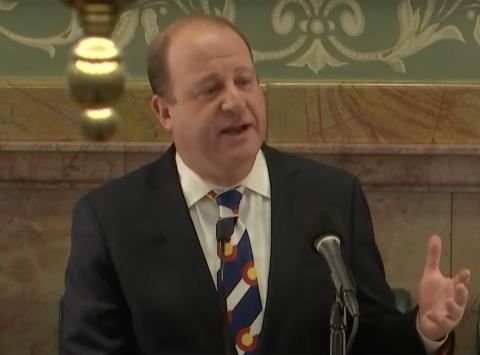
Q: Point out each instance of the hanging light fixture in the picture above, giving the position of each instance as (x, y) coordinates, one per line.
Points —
(96, 74)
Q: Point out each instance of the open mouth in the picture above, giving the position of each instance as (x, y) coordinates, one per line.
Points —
(235, 130)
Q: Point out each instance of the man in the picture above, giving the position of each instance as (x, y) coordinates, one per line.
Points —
(143, 274)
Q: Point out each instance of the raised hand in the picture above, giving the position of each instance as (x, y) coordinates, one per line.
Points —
(441, 299)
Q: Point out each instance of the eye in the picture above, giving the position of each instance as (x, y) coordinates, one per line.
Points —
(208, 91)
(243, 81)
(213, 89)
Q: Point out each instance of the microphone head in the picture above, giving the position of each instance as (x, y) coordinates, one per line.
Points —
(325, 242)
(326, 228)
(324, 223)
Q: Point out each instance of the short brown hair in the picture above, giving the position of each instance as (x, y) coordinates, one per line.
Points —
(157, 53)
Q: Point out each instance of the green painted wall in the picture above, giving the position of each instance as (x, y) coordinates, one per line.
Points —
(412, 40)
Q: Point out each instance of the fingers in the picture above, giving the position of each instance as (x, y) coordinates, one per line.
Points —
(462, 276)
(460, 282)
(434, 251)
(440, 324)
(461, 295)
(454, 311)
(445, 323)
(448, 317)
(437, 323)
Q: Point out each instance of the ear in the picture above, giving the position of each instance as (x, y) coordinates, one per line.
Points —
(161, 109)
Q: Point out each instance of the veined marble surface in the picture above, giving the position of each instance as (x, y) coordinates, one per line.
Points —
(306, 113)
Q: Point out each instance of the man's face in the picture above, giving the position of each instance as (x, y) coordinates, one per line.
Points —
(217, 115)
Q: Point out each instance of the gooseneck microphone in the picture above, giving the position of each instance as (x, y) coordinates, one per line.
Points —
(329, 246)
(325, 227)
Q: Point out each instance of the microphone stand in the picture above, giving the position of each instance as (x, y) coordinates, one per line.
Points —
(338, 322)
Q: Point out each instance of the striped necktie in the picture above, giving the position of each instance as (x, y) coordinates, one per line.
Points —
(239, 276)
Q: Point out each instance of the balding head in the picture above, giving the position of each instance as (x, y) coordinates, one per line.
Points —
(158, 66)
(206, 94)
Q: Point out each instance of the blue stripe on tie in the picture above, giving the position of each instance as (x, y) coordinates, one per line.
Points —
(253, 352)
(230, 199)
(233, 269)
(246, 310)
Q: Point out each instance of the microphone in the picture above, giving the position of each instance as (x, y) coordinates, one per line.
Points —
(329, 246)
(325, 226)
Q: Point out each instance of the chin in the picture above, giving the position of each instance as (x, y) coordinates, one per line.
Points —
(248, 151)
(244, 162)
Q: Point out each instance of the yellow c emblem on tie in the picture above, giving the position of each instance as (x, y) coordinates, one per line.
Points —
(247, 339)
(252, 274)
(228, 249)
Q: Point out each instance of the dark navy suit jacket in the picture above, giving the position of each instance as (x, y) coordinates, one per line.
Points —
(137, 280)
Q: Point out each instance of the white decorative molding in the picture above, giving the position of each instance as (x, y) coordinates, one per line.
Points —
(317, 25)
(70, 34)
(7, 5)
(147, 13)
(316, 57)
(316, 28)
(125, 30)
(416, 31)
(144, 11)
(150, 24)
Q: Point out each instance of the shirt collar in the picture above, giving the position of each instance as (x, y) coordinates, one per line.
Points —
(195, 188)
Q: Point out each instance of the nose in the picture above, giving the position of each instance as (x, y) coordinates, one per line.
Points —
(233, 100)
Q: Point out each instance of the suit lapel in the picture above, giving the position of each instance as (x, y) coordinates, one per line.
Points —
(178, 230)
(283, 259)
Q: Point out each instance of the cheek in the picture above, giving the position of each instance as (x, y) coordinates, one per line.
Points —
(197, 126)
(196, 132)
(258, 110)
(257, 100)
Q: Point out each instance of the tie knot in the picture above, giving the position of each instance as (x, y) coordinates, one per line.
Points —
(229, 199)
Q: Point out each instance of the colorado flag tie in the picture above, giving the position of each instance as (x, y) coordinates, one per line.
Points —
(239, 276)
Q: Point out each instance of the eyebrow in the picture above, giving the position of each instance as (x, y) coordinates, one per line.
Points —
(209, 79)
(212, 78)
(249, 70)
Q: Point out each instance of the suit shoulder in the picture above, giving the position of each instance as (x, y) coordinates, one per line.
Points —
(309, 169)
(125, 187)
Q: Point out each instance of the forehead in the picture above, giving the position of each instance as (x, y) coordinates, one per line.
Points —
(200, 48)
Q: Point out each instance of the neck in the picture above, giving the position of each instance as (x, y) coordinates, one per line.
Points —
(228, 176)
